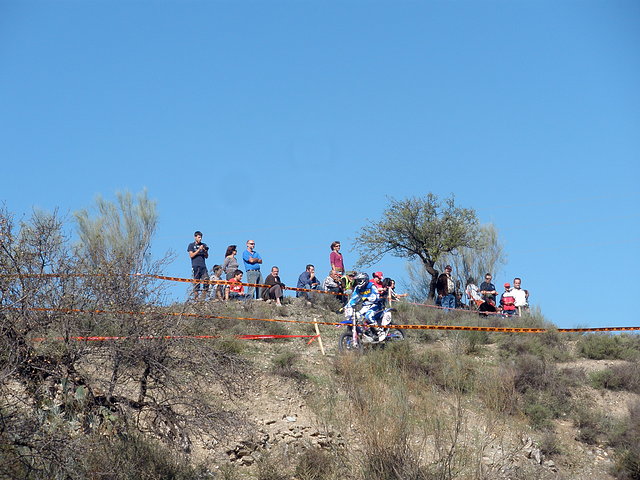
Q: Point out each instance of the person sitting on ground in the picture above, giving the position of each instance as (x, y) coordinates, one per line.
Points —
(236, 289)
(473, 294)
(218, 288)
(308, 280)
(332, 282)
(275, 291)
(487, 308)
(507, 301)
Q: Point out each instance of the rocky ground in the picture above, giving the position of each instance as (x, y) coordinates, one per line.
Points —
(282, 416)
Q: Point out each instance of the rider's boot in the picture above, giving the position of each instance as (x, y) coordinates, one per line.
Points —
(382, 334)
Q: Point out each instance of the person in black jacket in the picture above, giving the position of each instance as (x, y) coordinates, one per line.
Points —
(446, 288)
(275, 291)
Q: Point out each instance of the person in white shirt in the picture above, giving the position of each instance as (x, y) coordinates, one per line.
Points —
(521, 296)
(473, 294)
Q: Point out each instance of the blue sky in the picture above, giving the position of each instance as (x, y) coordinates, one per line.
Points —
(291, 122)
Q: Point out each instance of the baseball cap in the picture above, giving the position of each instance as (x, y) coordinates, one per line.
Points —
(507, 284)
(378, 274)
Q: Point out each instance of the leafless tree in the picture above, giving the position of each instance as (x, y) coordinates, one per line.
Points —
(52, 386)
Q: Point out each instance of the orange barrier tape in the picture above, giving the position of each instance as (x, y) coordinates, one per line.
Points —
(454, 309)
(325, 292)
(174, 337)
(227, 282)
(599, 329)
(162, 277)
(403, 327)
(172, 314)
(267, 337)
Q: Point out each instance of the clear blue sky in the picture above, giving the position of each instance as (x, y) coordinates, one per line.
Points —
(289, 122)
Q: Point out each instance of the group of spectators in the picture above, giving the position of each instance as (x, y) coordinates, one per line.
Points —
(513, 301)
(338, 281)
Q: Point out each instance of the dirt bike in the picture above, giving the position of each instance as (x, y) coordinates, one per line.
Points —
(374, 335)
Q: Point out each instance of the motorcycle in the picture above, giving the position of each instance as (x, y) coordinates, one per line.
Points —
(377, 334)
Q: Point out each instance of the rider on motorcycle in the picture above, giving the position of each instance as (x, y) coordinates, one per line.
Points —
(372, 304)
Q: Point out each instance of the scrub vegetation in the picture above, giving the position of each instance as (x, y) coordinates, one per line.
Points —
(440, 405)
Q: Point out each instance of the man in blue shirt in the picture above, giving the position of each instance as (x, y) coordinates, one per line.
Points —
(252, 261)
(308, 280)
(198, 252)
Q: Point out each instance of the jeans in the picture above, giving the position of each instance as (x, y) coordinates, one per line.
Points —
(238, 296)
(308, 286)
(200, 273)
(449, 301)
(253, 276)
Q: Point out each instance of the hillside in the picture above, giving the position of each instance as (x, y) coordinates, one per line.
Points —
(439, 405)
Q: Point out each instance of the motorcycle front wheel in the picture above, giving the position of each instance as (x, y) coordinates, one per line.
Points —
(346, 344)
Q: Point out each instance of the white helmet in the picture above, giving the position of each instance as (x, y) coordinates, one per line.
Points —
(361, 279)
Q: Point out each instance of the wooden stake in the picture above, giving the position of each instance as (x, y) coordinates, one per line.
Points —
(315, 324)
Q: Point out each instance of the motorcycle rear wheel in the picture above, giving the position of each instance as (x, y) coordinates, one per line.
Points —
(395, 334)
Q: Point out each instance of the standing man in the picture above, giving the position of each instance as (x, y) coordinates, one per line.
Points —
(521, 297)
(446, 289)
(198, 252)
(488, 289)
(252, 261)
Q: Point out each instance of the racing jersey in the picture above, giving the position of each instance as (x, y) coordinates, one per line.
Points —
(368, 294)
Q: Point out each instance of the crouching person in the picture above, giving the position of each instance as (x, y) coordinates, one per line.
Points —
(276, 287)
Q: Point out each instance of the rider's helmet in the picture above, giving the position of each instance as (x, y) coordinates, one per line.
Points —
(361, 279)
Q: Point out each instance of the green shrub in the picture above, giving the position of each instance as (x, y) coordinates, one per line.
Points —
(135, 458)
(605, 379)
(546, 389)
(618, 377)
(271, 468)
(550, 444)
(591, 425)
(626, 442)
(331, 303)
(549, 346)
(605, 346)
(232, 346)
(446, 370)
(471, 340)
(284, 365)
(496, 388)
(314, 464)
(539, 413)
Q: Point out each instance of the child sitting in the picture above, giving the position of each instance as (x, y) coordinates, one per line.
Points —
(236, 289)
